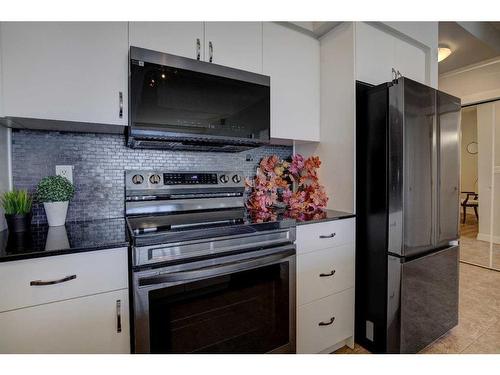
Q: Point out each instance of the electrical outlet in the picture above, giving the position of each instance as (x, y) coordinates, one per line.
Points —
(65, 171)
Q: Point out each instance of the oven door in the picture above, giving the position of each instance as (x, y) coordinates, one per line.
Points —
(242, 303)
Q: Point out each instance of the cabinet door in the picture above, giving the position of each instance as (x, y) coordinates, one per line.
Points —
(81, 325)
(410, 60)
(71, 71)
(374, 54)
(234, 44)
(177, 38)
(292, 60)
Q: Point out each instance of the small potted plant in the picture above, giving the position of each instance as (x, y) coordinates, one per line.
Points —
(17, 207)
(55, 192)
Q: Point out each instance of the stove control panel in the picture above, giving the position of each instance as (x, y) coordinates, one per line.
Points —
(190, 179)
(159, 180)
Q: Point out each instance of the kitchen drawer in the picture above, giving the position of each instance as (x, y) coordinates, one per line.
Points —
(315, 338)
(317, 236)
(92, 324)
(96, 272)
(337, 260)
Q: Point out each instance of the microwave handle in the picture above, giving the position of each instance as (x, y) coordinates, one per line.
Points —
(285, 252)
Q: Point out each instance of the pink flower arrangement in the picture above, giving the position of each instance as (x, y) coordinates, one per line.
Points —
(273, 187)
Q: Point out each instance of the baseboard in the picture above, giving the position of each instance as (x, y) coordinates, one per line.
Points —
(486, 237)
(348, 341)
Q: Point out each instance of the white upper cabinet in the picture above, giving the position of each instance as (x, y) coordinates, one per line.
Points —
(292, 60)
(410, 61)
(234, 44)
(378, 52)
(177, 38)
(374, 54)
(72, 71)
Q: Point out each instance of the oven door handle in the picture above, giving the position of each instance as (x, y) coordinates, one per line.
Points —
(217, 270)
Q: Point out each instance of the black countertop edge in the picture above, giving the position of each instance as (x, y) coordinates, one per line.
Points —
(49, 253)
(329, 215)
(73, 237)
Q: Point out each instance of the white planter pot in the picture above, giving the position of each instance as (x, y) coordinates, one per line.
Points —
(56, 212)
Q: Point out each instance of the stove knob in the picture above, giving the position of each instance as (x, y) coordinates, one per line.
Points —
(236, 179)
(223, 178)
(137, 179)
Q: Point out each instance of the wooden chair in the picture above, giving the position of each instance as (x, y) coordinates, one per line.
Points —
(471, 200)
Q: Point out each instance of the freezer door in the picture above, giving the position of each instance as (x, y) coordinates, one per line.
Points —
(412, 166)
(424, 301)
(448, 109)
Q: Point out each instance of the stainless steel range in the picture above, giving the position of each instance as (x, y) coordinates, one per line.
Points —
(206, 279)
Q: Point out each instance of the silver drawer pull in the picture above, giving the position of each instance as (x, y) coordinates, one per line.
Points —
(118, 315)
(328, 235)
(52, 282)
(332, 319)
(332, 272)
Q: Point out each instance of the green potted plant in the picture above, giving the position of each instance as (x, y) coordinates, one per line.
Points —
(55, 192)
(17, 207)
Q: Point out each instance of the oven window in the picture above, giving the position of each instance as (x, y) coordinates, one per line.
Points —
(245, 312)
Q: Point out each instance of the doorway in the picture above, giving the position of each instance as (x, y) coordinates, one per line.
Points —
(480, 185)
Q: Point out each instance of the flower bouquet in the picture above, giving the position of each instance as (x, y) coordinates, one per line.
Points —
(288, 187)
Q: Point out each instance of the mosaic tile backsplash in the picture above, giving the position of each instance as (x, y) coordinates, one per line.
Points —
(99, 162)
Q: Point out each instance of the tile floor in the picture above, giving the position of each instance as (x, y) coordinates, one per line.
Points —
(478, 329)
(474, 251)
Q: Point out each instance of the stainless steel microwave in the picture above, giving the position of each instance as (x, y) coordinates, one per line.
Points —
(186, 104)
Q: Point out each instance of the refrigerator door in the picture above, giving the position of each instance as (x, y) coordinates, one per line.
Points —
(423, 303)
(412, 166)
(448, 109)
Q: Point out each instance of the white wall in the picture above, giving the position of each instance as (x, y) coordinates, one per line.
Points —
(336, 147)
(469, 161)
(475, 83)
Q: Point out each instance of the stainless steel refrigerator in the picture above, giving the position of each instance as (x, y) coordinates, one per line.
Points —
(407, 215)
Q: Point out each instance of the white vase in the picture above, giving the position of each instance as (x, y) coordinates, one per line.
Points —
(56, 212)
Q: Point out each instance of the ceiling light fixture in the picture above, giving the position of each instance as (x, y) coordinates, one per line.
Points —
(443, 53)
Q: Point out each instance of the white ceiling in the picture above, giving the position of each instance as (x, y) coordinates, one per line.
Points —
(466, 48)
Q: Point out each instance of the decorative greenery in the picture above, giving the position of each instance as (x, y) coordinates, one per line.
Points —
(54, 189)
(16, 202)
(273, 187)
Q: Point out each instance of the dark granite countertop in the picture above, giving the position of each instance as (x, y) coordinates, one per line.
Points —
(73, 237)
(324, 215)
(300, 218)
(81, 236)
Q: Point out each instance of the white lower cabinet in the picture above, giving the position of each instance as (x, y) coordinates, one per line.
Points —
(93, 324)
(74, 303)
(325, 286)
(324, 323)
(324, 272)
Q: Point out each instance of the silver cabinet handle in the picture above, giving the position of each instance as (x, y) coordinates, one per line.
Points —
(118, 315)
(328, 235)
(198, 48)
(120, 101)
(52, 282)
(331, 273)
(332, 319)
(211, 51)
